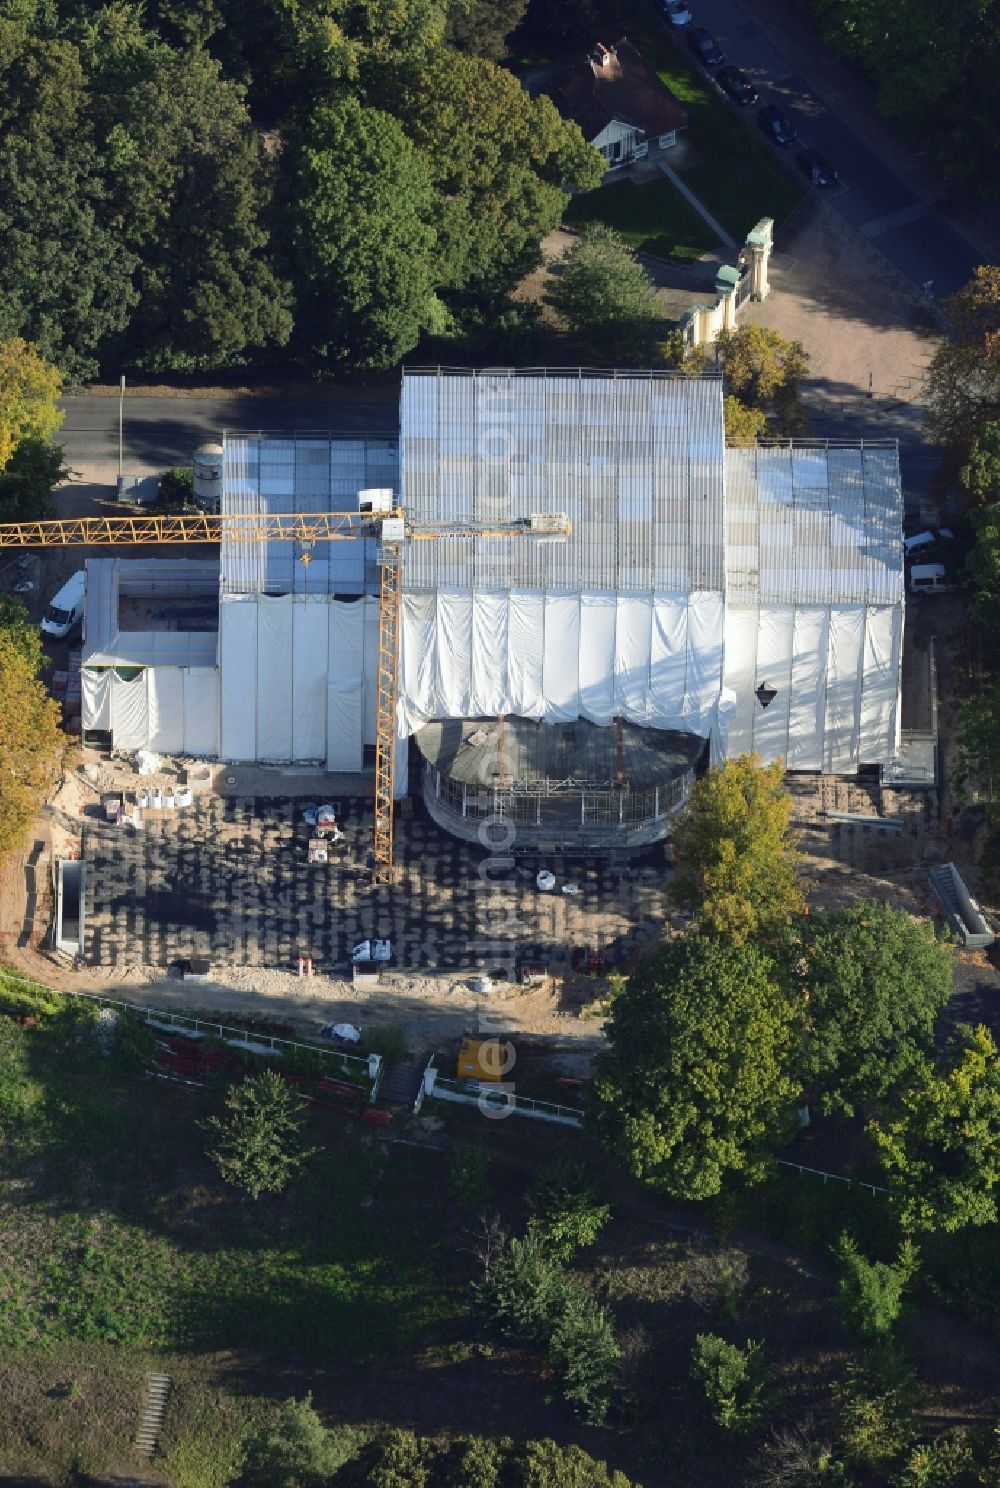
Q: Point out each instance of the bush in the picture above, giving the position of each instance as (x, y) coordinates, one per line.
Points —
(734, 1381)
(794, 1458)
(948, 1462)
(177, 486)
(17, 996)
(584, 1355)
(133, 1042)
(568, 1213)
(297, 1451)
(389, 1040)
(870, 1293)
(876, 1404)
(260, 1146)
(523, 1290)
(469, 1177)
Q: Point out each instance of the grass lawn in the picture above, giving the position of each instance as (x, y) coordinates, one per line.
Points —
(652, 218)
(738, 179)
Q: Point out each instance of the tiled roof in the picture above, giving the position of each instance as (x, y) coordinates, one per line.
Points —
(624, 88)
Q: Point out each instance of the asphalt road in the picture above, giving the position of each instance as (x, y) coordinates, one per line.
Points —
(871, 196)
(163, 431)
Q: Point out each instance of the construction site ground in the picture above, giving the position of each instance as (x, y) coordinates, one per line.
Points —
(226, 880)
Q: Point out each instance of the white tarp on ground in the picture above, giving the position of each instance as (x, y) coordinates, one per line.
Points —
(172, 710)
(652, 659)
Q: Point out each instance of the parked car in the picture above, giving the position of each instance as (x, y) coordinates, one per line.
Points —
(776, 125)
(704, 46)
(734, 81)
(66, 607)
(931, 537)
(816, 166)
(677, 13)
(931, 578)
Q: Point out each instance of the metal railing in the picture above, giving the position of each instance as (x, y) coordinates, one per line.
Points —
(872, 1188)
(357, 1066)
(526, 1104)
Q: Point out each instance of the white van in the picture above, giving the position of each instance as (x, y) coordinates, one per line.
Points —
(930, 578)
(66, 608)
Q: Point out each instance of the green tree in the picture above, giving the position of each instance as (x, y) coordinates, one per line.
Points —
(66, 271)
(361, 236)
(297, 1451)
(963, 379)
(980, 475)
(28, 479)
(398, 1459)
(483, 26)
(476, 1462)
(876, 1406)
(567, 1210)
(543, 1464)
(870, 1293)
(876, 982)
(31, 740)
(948, 1462)
(193, 192)
(764, 370)
(734, 1381)
(29, 387)
(501, 164)
(697, 1078)
(606, 297)
(522, 1291)
(259, 1145)
(983, 564)
(744, 426)
(736, 862)
(941, 1142)
(584, 1355)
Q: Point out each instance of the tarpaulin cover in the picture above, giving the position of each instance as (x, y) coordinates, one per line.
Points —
(650, 659)
(165, 700)
(172, 710)
(345, 747)
(95, 699)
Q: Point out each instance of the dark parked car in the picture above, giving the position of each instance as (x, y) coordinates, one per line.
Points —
(776, 125)
(816, 166)
(704, 46)
(736, 83)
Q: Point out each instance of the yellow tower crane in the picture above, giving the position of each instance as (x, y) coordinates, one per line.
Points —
(390, 527)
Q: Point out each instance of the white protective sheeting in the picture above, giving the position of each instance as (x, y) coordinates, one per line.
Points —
(129, 712)
(879, 685)
(345, 744)
(275, 632)
(238, 666)
(278, 655)
(201, 710)
(95, 704)
(807, 705)
(559, 657)
(165, 702)
(310, 639)
(843, 689)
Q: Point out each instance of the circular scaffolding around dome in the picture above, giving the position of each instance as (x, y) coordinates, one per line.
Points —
(531, 787)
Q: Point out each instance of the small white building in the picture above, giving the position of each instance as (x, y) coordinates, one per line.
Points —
(621, 106)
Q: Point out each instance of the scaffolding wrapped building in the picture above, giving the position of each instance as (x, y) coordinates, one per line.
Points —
(709, 601)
